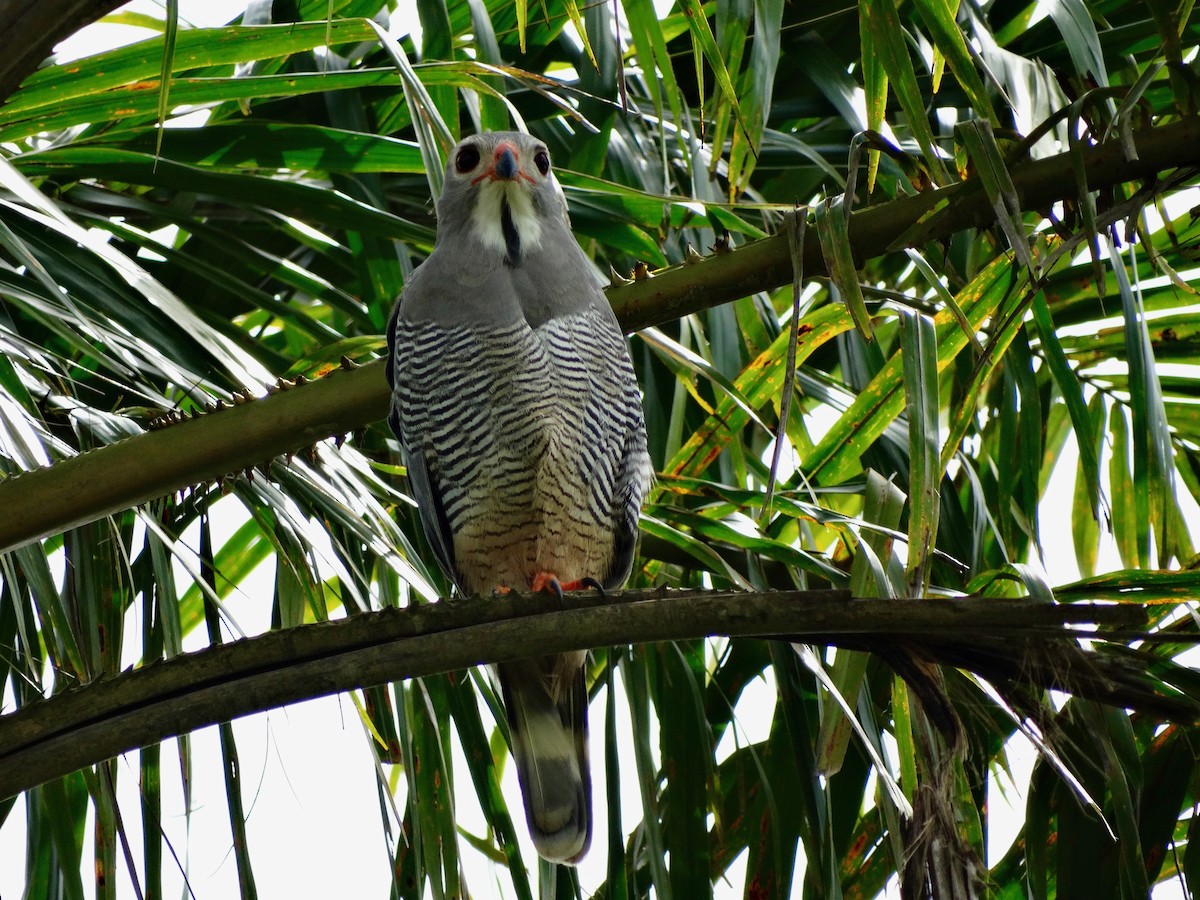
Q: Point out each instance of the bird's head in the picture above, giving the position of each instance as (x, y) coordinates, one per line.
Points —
(501, 189)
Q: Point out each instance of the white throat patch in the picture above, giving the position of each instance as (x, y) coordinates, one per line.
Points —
(485, 217)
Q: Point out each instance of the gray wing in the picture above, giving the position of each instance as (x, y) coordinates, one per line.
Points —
(423, 484)
(614, 465)
(632, 483)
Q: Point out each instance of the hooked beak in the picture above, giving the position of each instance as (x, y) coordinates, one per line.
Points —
(506, 162)
(506, 165)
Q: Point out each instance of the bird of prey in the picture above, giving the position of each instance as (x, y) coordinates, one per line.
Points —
(520, 422)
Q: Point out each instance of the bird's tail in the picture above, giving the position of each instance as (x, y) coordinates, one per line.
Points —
(546, 702)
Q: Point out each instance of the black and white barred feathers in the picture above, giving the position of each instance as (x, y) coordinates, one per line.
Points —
(520, 419)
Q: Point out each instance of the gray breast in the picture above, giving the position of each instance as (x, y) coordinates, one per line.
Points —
(528, 427)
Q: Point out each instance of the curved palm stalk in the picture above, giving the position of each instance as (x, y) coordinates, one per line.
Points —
(106, 717)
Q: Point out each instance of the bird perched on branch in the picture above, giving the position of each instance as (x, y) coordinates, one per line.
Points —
(521, 424)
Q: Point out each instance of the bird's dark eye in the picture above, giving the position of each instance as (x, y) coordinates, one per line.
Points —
(467, 159)
(541, 159)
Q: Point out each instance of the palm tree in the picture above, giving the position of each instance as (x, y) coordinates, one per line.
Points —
(894, 272)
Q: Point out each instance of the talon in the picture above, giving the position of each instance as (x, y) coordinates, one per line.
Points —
(548, 582)
(594, 585)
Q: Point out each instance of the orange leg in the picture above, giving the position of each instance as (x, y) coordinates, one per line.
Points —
(548, 582)
(544, 582)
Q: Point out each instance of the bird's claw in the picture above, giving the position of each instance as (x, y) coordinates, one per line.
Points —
(546, 582)
(594, 585)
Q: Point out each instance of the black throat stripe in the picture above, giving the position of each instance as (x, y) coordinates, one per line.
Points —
(512, 239)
